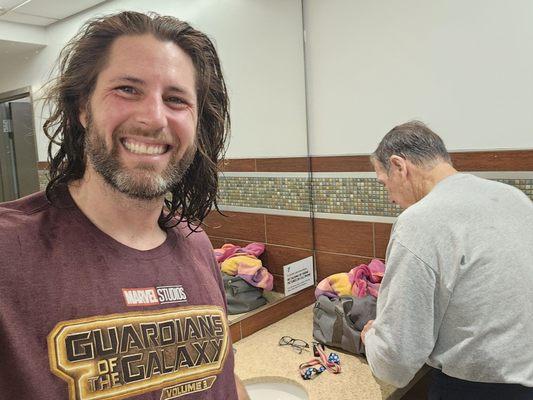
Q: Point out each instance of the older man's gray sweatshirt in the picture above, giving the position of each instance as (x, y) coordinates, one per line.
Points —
(458, 290)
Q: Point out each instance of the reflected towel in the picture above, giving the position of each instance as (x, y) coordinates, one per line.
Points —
(260, 278)
(243, 262)
(228, 250)
(239, 262)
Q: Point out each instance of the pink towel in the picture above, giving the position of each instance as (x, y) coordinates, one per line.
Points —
(366, 279)
(228, 250)
(359, 282)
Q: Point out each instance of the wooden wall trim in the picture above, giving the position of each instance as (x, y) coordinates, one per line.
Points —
(291, 164)
(238, 165)
(509, 160)
(495, 160)
(341, 164)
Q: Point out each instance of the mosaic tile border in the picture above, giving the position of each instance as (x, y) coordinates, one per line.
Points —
(282, 193)
(341, 195)
(332, 195)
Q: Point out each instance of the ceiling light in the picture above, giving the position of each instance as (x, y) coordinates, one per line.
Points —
(19, 5)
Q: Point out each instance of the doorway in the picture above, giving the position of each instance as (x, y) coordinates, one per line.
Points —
(18, 151)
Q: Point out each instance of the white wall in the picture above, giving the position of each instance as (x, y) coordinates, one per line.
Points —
(261, 49)
(463, 67)
(22, 33)
(17, 70)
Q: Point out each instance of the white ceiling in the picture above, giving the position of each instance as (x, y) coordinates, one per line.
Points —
(42, 12)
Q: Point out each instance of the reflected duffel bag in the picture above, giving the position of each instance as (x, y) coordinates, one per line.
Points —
(241, 297)
(339, 322)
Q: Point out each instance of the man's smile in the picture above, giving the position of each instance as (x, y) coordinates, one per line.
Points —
(144, 148)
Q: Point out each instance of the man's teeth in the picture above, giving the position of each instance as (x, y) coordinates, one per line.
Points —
(141, 148)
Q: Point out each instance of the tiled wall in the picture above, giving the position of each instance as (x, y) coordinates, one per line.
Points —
(357, 196)
(282, 193)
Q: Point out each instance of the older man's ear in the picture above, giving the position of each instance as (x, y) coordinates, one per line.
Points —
(398, 163)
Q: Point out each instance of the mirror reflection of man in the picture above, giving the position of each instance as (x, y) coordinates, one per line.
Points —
(457, 290)
(107, 284)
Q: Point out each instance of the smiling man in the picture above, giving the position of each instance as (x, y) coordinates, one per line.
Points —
(457, 291)
(108, 288)
(140, 120)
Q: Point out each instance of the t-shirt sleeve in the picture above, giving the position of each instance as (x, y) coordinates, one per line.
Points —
(404, 332)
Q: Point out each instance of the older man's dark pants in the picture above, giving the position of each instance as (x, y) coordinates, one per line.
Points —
(444, 387)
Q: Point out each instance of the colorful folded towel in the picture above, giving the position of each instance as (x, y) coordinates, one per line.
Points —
(243, 262)
(228, 250)
(359, 282)
(335, 285)
(367, 278)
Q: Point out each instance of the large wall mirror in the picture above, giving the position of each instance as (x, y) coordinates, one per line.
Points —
(265, 192)
(264, 186)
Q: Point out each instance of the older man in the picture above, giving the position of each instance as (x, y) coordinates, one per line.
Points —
(457, 293)
(108, 288)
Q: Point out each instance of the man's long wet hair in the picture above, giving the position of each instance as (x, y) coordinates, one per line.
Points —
(78, 67)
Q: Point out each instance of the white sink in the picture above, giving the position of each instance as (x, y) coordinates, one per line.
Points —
(275, 389)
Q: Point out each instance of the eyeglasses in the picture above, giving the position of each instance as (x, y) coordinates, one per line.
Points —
(298, 345)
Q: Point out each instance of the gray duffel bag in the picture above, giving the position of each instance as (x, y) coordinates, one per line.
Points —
(339, 322)
(241, 297)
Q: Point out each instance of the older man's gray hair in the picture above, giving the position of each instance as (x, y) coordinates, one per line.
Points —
(413, 141)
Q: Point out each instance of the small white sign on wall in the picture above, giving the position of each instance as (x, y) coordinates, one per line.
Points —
(298, 275)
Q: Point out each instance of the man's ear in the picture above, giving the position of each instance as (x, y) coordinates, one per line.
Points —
(83, 115)
(398, 163)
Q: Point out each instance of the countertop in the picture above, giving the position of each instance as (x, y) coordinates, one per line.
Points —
(259, 356)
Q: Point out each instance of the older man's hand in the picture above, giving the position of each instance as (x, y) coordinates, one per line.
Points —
(365, 330)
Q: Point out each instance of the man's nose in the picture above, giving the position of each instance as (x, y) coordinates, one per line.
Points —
(151, 113)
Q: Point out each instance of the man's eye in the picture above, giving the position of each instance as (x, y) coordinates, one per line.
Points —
(175, 100)
(127, 89)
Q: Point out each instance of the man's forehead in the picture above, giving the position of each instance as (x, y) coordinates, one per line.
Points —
(159, 58)
(128, 48)
(146, 40)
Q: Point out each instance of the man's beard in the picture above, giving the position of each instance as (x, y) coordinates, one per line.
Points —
(141, 182)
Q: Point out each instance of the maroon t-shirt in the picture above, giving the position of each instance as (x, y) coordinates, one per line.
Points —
(83, 316)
